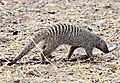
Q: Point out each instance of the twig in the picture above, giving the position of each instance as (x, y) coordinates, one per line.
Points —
(4, 57)
(113, 48)
(42, 52)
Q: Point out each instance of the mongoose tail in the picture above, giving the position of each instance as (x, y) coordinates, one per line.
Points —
(25, 51)
(30, 46)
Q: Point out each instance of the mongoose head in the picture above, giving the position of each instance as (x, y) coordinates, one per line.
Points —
(101, 45)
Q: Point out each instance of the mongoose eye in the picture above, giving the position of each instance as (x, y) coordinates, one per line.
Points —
(98, 44)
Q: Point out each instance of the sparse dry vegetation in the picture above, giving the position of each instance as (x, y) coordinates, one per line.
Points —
(18, 18)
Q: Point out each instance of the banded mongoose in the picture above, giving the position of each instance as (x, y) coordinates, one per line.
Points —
(59, 34)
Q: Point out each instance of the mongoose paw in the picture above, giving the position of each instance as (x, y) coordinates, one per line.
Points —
(50, 56)
(65, 60)
(84, 57)
(92, 58)
(73, 59)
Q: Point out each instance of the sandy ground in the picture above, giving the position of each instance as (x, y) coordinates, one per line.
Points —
(18, 18)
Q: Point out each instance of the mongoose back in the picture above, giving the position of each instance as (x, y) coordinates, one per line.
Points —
(59, 34)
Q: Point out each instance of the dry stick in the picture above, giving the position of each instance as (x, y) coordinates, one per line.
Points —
(4, 57)
(113, 48)
(42, 52)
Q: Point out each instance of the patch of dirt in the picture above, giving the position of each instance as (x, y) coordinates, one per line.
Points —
(18, 18)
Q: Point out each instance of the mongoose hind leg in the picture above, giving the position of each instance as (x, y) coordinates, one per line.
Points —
(47, 52)
(72, 48)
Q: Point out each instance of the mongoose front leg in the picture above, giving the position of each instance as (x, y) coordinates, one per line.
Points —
(89, 53)
(47, 51)
(72, 48)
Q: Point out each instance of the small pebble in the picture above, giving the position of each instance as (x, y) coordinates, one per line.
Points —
(15, 33)
(51, 12)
